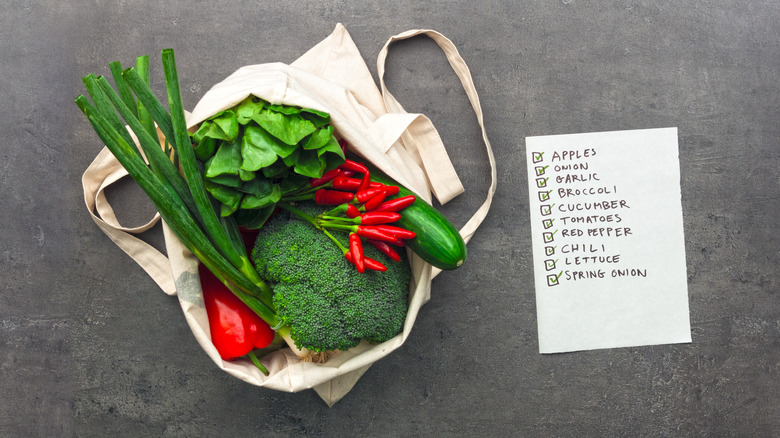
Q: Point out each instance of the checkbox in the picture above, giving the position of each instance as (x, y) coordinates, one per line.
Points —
(537, 157)
(547, 223)
(546, 209)
(540, 170)
(552, 279)
(541, 182)
(549, 250)
(549, 265)
(548, 236)
(544, 196)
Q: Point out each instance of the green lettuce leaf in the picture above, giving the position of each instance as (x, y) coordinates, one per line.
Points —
(318, 138)
(309, 164)
(260, 193)
(228, 196)
(226, 161)
(289, 129)
(257, 149)
(248, 108)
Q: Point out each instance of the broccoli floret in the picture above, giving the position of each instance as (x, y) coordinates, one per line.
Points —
(327, 304)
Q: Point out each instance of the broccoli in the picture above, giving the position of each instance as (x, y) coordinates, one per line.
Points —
(326, 303)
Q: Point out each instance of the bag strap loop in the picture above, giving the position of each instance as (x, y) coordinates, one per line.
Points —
(101, 173)
(464, 74)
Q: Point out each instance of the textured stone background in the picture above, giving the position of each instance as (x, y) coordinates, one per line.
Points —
(90, 347)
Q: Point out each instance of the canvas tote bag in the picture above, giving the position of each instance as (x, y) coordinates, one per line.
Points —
(331, 77)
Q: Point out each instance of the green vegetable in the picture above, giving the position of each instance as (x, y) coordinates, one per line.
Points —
(317, 293)
(438, 242)
(255, 152)
(182, 202)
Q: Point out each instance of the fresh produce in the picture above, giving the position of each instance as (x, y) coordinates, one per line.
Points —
(236, 330)
(437, 241)
(328, 305)
(181, 198)
(256, 152)
(243, 164)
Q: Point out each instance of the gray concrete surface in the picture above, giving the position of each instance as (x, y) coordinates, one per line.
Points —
(89, 346)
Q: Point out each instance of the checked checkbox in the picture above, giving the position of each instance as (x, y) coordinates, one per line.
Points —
(548, 236)
(553, 280)
(546, 209)
(549, 265)
(544, 196)
(537, 157)
(541, 182)
(547, 223)
(540, 170)
(549, 250)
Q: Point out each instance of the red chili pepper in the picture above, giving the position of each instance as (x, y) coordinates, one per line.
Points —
(344, 182)
(373, 232)
(366, 182)
(356, 248)
(398, 232)
(235, 328)
(354, 166)
(375, 201)
(397, 204)
(327, 176)
(385, 249)
(379, 217)
(364, 195)
(391, 190)
(343, 144)
(332, 197)
(371, 264)
(352, 211)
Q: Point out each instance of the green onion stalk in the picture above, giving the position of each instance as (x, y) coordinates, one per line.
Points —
(179, 196)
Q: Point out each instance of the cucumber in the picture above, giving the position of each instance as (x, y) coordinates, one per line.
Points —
(438, 242)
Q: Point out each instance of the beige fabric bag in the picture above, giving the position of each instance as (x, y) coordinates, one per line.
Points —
(331, 77)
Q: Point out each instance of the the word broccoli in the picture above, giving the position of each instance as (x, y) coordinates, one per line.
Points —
(318, 293)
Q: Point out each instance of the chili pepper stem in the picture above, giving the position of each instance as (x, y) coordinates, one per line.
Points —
(339, 226)
(339, 244)
(336, 210)
(257, 363)
(339, 219)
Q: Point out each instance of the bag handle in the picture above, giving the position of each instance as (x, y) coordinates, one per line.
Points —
(393, 106)
(101, 173)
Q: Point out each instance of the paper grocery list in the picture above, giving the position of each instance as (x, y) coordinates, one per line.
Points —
(608, 245)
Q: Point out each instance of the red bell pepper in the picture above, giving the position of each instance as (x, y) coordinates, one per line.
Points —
(235, 329)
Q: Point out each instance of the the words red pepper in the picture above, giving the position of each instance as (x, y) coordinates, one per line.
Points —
(235, 329)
